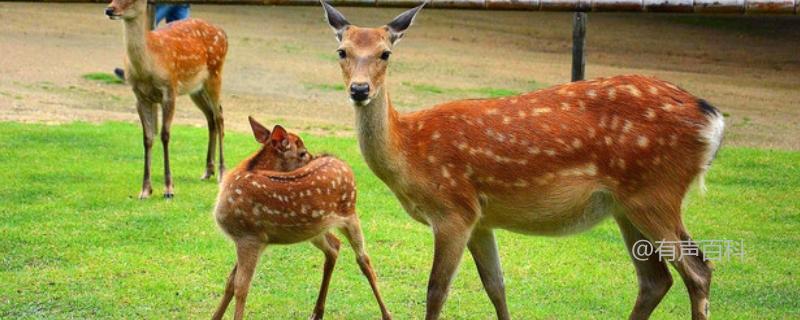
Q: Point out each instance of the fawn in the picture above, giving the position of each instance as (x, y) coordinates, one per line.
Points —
(551, 162)
(186, 57)
(282, 195)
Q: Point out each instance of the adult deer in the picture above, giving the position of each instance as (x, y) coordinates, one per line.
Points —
(550, 162)
(282, 195)
(186, 57)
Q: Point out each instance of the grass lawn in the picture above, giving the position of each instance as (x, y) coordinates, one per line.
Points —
(75, 241)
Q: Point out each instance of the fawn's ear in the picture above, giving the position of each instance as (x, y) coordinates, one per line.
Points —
(279, 138)
(401, 23)
(335, 19)
(261, 133)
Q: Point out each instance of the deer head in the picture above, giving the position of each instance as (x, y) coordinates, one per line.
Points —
(364, 52)
(280, 151)
(125, 9)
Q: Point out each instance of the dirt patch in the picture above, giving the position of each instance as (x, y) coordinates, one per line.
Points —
(282, 64)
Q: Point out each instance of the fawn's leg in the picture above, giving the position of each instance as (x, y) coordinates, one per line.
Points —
(653, 275)
(208, 112)
(247, 253)
(695, 272)
(353, 233)
(483, 247)
(329, 245)
(148, 115)
(226, 297)
(451, 234)
(168, 113)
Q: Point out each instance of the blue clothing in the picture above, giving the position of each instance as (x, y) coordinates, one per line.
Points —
(171, 12)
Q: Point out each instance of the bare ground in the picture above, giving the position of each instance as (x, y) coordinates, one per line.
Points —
(282, 64)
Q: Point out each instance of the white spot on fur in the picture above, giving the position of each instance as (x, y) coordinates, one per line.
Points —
(627, 126)
(612, 94)
(633, 90)
(539, 111)
(650, 114)
(642, 142)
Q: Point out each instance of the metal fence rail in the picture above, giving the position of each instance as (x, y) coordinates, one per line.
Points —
(675, 6)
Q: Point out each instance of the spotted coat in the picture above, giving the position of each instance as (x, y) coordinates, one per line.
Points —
(286, 207)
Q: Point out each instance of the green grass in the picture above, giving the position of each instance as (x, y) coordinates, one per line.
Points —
(325, 86)
(76, 243)
(103, 77)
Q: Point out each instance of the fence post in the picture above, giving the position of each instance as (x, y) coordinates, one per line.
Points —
(578, 42)
(151, 15)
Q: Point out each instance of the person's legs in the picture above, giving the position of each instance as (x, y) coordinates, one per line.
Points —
(178, 12)
(162, 10)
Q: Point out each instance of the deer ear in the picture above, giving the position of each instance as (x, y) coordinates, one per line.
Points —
(335, 19)
(261, 133)
(400, 24)
(279, 137)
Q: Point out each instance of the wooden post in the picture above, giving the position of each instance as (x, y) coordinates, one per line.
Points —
(578, 43)
(151, 15)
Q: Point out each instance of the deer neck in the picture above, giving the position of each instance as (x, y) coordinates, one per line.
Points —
(136, 43)
(375, 124)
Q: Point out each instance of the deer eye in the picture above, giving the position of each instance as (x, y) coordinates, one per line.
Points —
(342, 53)
(385, 55)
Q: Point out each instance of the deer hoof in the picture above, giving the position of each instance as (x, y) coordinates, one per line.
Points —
(144, 194)
(169, 195)
(207, 175)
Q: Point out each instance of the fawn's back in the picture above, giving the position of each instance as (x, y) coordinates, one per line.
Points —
(286, 207)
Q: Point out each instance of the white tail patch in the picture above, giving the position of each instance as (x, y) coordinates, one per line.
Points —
(712, 134)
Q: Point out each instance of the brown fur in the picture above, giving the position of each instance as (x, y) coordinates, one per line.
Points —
(185, 57)
(261, 202)
(550, 162)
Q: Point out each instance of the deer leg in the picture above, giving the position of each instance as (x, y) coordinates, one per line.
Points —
(148, 116)
(652, 273)
(450, 239)
(221, 134)
(329, 245)
(694, 271)
(212, 93)
(696, 274)
(226, 297)
(212, 133)
(356, 238)
(483, 247)
(247, 253)
(168, 113)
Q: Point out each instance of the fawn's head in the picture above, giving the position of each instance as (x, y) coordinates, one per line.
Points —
(280, 151)
(364, 52)
(126, 9)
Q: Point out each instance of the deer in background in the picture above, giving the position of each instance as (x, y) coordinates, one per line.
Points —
(186, 57)
(283, 195)
(551, 162)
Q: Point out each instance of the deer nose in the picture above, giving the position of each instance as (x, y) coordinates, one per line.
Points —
(359, 91)
(110, 11)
